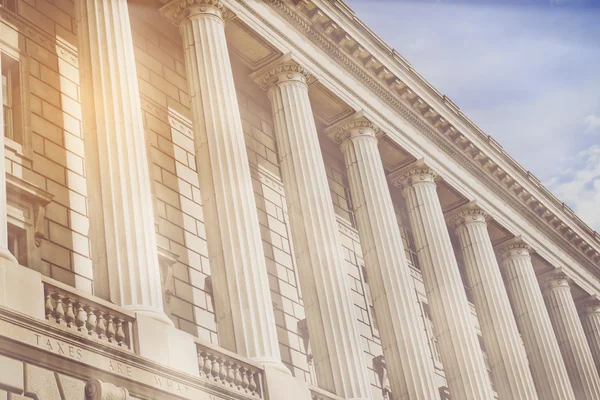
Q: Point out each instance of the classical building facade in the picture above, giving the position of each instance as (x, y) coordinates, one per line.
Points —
(259, 199)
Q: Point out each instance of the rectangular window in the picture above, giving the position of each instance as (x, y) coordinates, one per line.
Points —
(11, 99)
(17, 243)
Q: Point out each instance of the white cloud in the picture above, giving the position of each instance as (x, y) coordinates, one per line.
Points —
(592, 123)
(579, 187)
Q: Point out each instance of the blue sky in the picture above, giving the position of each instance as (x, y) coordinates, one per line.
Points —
(526, 72)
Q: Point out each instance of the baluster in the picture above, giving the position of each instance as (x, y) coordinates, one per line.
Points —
(215, 367)
(90, 324)
(238, 376)
(223, 371)
(110, 330)
(119, 335)
(231, 373)
(245, 382)
(207, 367)
(70, 315)
(59, 311)
(252, 386)
(100, 325)
(49, 307)
(81, 317)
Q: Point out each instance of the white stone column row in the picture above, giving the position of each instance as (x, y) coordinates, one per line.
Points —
(330, 314)
(395, 304)
(570, 335)
(461, 355)
(545, 360)
(506, 354)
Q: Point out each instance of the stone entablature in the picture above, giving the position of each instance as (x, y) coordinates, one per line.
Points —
(334, 28)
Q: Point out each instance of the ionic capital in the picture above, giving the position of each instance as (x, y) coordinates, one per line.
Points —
(513, 248)
(466, 214)
(554, 279)
(284, 69)
(589, 305)
(177, 11)
(356, 125)
(417, 172)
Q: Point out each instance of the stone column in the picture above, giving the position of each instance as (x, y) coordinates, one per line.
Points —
(570, 335)
(589, 312)
(545, 361)
(338, 356)
(408, 361)
(5, 255)
(120, 199)
(505, 351)
(238, 270)
(460, 351)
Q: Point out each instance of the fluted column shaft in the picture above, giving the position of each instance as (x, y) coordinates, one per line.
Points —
(330, 315)
(590, 319)
(506, 354)
(119, 197)
(570, 335)
(408, 361)
(460, 351)
(545, 361)
(239, 275)
(4, 253)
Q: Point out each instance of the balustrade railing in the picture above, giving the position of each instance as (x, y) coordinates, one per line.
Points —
(94, 318)
(225, 368)
(320, 394)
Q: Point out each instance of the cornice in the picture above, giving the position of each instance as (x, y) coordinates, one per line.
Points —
(517, 192)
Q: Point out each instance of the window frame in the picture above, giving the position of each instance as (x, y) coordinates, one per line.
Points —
(24, 149)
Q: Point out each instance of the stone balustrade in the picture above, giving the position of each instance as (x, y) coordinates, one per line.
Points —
(87, 314)
(227, 369)
(320, 394)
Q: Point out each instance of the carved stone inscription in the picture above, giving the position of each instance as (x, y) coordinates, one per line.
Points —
(96, 358)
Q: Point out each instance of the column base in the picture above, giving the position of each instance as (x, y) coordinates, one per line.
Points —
(280, 384)
(21, 289)
(163, 343)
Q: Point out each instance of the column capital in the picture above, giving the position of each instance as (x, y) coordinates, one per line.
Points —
(513, 248)
(416, 172)
(589, 305)
(554, 279)
(356, 125)
(178, 10)
(466, 214)
(283, 69)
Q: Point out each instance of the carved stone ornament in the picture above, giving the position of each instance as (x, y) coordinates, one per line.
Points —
(589, 305)
(554, 279)
(513, 248)
(98, 390)
(355, 125)
(281, 70)
(415, 173)
(178, 10)
(466, 214)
